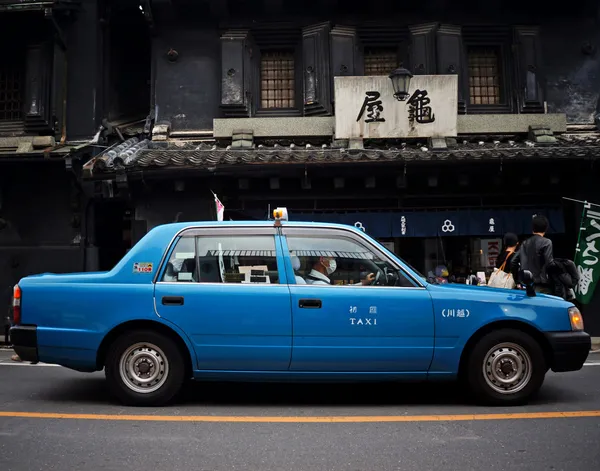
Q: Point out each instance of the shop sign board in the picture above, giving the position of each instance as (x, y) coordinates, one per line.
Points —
(491, 251)
(365, 108)
(481, 223)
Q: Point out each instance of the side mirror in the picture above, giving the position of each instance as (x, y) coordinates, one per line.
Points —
(527, 280)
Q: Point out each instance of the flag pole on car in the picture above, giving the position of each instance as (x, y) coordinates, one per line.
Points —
(220, 208)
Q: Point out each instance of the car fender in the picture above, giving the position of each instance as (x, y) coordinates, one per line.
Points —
(142, 323)
(463, 313)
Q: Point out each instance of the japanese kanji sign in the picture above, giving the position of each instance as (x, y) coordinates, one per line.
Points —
(588, 255)
(490, 250)
(365, 107)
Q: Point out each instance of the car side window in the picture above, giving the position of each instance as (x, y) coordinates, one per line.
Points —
(341, 261)
(223, 259)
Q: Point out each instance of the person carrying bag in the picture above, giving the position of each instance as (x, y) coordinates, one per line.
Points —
(503, 277)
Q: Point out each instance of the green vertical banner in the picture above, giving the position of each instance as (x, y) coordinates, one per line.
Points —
(587, 255)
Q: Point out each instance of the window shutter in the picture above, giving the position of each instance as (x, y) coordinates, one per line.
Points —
(346, 52)
(529, 84)
(240, 62)
(422, 49)
(451, 59)
(59, 91)
(316, 70)
(38, 114)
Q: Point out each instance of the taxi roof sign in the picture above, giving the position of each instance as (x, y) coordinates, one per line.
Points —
(281, 214)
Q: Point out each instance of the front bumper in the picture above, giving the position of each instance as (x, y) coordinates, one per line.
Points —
(569, 350)
(24, 340)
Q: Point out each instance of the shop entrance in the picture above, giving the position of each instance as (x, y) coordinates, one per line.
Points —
(461, 256)
(113, 232)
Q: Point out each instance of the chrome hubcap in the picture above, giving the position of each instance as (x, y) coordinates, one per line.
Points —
(144, 368)
(507, 368)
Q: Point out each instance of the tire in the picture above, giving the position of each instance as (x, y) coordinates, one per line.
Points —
(144, 368)
(524, 362)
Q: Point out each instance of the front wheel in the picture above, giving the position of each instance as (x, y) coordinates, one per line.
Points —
(144, 368)
(506, 367)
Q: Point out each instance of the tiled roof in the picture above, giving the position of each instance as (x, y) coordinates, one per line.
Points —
(182, 155)
(9, 151)
(22, 5)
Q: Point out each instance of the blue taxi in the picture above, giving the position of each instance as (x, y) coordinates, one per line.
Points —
(292, 301)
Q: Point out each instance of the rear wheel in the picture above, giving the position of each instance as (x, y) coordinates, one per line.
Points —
(144, 368)
(506, 367)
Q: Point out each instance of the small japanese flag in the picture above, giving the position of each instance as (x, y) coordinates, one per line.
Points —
(220, 208)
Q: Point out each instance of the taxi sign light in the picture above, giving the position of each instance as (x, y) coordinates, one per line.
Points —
(280, 214)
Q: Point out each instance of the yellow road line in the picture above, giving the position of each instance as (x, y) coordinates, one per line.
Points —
(332, 419)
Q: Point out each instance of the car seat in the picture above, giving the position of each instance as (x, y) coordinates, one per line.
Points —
(296, 266)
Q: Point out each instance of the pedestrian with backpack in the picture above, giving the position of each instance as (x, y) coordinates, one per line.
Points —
(535, 254)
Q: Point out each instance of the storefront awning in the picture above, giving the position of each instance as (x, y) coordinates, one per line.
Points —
(487, 223)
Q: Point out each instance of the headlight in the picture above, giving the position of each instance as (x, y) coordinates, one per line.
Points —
(576, 319)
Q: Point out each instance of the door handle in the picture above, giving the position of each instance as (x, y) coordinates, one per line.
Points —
(172, 300)
(310, 303)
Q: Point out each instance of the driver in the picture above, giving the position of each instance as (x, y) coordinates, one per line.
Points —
(324, 267)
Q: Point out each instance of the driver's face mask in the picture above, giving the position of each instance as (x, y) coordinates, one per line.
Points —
(331, 266)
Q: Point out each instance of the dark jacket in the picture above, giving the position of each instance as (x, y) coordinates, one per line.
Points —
(534, 255)
(563, 276)
(504, 256)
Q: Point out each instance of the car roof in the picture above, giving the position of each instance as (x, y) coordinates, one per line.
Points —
(178, 226)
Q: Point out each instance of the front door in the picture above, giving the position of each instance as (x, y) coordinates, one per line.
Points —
(226, 290)
(346, 321)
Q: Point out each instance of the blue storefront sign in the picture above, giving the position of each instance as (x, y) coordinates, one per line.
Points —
(474, 222)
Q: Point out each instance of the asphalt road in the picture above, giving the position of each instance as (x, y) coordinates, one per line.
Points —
(289, 427)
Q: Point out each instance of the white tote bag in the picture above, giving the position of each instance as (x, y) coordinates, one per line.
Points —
(501, 279)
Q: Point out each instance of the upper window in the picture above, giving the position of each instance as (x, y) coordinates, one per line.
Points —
(484, 76)
(223, 259)
(380, 61)
(11, 90)
(340, 261)
(278, 84)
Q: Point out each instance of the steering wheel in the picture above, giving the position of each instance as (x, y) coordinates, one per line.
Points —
(377, 280)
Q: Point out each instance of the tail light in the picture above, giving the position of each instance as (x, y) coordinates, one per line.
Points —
(16, 305)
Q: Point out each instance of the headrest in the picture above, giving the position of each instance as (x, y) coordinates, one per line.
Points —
(295, 262)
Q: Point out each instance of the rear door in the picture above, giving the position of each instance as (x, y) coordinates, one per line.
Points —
(344, 326)
(226, 288)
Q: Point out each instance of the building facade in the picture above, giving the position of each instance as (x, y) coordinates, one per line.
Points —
(270, 103)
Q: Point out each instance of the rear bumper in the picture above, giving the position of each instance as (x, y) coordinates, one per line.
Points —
(24, 340)
(569, 350)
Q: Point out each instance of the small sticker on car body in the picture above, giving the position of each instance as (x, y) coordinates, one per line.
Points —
(143, 267)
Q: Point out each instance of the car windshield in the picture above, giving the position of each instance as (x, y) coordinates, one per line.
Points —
(417, 272)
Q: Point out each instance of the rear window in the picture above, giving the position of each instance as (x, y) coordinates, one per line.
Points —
(223, 259)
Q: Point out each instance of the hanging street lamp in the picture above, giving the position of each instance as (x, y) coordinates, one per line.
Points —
(401, 81)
